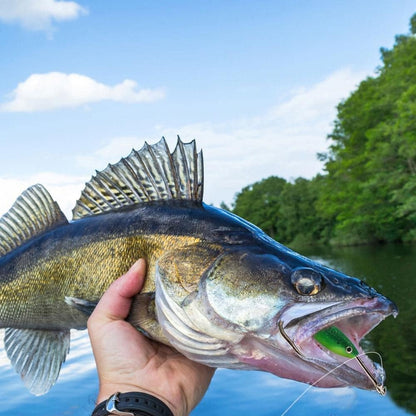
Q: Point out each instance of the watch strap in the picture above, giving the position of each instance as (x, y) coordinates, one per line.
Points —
(132, 404)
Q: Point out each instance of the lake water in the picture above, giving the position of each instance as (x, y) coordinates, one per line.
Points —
(390, 269)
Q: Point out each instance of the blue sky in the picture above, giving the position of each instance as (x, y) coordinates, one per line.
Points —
(255, 82)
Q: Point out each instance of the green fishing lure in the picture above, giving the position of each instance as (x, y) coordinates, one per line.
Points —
(336, 341)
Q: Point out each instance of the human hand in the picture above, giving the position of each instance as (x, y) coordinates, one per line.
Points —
(128, 361)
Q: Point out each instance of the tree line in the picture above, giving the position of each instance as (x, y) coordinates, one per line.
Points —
(368, 191)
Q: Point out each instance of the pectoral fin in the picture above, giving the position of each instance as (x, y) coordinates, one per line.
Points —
(37, 355)
(85, 306)
(143, 317)
(180, 271)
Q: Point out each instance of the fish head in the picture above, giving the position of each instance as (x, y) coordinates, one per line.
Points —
(259, 310)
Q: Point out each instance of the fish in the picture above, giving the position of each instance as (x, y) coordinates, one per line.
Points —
(218, 289)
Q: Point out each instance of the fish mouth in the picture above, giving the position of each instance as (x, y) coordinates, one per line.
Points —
(354, 319)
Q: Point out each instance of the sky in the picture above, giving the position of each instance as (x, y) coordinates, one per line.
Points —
(256, 83)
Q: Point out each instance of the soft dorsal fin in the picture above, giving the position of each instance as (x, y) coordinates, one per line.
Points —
(33, 213)
(150, 174)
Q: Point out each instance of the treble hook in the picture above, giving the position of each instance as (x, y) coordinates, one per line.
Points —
(380, 389)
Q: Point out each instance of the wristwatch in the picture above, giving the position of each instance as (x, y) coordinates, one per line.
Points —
(132, 404)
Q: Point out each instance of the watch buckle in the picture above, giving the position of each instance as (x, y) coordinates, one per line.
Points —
(112, 409)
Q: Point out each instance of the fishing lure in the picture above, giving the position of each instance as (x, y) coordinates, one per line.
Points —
(337, 342)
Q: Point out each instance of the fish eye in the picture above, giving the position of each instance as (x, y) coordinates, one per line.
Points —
(307, 282)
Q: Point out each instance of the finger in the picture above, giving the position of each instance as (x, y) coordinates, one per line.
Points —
(116, 301)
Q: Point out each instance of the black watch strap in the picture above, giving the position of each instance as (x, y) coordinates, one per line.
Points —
(132, 404)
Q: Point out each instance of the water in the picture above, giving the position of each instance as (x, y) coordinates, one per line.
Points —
(390, 269)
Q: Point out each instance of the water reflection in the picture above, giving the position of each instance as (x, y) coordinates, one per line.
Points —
(389, 269)
(256, 393)
(74, 393)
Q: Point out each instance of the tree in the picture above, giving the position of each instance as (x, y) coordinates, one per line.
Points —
(258, 203)
(370, 181)
(368, 193)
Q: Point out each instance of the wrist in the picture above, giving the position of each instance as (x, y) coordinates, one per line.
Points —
(107, 390)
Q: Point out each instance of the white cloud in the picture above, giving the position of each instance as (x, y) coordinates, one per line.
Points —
(49, 91)
(39, 14)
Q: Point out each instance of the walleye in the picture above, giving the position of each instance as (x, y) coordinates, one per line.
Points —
(218, 289)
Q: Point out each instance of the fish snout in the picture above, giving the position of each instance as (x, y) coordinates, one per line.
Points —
(336, 286)
(380, 302)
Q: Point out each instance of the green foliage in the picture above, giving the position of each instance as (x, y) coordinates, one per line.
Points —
(368, 193)
(257, 203)
(371, 162)
(284, 210)
(413, 24)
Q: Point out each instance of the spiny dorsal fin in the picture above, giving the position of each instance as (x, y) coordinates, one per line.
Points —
(150, 174)
(33, 213)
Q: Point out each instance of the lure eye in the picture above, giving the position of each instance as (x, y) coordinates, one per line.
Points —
(307, 282)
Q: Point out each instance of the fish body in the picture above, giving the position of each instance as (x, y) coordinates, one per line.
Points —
(218, 289)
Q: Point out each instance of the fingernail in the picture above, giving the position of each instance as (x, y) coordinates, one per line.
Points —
(137, 265)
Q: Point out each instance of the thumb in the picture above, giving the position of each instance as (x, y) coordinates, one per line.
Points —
(116, 301)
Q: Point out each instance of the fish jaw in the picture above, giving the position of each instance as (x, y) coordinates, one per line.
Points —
(312, 363)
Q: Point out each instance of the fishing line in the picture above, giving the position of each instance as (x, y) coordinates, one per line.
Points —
(336, 368)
